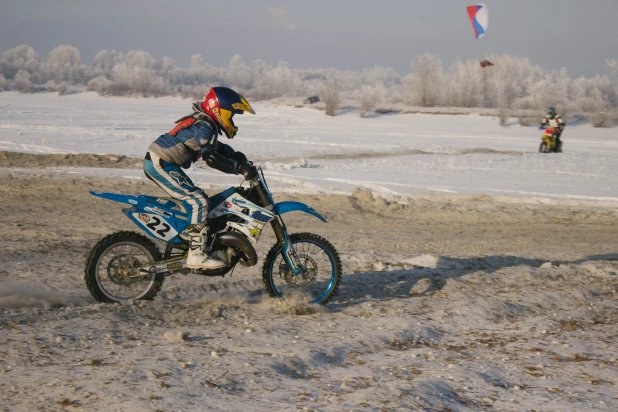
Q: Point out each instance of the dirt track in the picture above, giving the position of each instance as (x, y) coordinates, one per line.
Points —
(446, 304)
(55, 216)
(50, 222)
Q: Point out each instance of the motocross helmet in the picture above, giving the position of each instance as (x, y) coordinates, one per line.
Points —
(551, 112)
(221, 104)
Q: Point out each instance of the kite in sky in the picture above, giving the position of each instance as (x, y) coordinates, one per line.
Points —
(479, 19)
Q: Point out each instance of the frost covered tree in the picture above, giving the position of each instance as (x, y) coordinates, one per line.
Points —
(424, 85)
(18, 58)
(22, 81)
(104, 62)
(169, 72)
(201, 73)
(199, 77)
(140, 59)
(561, 93)
(594, 99)
(136, 75)
(381, 82)
(271, 82)
(311, 82)
(331, 96)
(369, 98)
(597, 106)
(459, 85)
(63, 64)
(283, 79)
(260, 69)
(380, 76)
(513, 85)
(497, 93)
(239, 75)
(613, 67)
(502, 85)
(541, 94)
(196, 73)
(100, 84)
(594, 102)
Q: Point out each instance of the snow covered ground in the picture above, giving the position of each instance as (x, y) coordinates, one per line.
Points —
(305, 151)
(460, 305)
(450, 300)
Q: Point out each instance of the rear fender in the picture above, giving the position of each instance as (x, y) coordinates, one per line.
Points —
(158, 221)
(165, 228)
(116, 197)
(285, 207)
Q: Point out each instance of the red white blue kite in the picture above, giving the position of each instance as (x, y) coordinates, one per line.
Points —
(479, 18)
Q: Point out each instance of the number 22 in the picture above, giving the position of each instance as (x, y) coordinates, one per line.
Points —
(156, 222)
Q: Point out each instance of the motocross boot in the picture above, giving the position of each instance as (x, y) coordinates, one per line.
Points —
(197, 258)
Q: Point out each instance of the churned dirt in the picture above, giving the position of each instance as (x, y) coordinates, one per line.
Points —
(17, 159)
(446, 304)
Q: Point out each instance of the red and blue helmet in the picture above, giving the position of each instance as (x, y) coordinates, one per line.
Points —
(221, 104)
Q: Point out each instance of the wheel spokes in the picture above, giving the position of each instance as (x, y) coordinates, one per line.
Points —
(114, 274)
(317, 275)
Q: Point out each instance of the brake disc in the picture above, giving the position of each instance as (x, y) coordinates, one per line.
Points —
(308, 276)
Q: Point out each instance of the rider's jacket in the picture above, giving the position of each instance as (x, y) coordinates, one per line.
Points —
(181, 147)
(556, 122)
(192, 138)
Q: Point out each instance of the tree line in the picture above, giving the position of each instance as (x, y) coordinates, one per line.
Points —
(513, 86)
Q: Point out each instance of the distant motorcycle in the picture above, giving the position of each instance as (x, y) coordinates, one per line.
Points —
(127, 266)
(549, 141)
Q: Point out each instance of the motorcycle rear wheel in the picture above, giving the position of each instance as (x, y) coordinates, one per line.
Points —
(322, 274)
(112, 255)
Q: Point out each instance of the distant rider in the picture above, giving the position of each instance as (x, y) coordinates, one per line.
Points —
(195, 136)
(554, 121)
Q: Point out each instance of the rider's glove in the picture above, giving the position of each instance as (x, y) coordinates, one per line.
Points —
(247, 170)
(541, 127)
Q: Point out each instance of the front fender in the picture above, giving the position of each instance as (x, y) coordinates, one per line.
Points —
(285, 207)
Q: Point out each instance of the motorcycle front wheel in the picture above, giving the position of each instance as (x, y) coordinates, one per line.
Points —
(108, 265)
(322, 270)
(543, 148)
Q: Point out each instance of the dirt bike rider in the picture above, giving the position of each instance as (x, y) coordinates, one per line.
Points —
(195, 136)
(554, 121)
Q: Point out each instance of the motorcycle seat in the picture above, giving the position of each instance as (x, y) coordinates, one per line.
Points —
(167, 203)
(178, 205)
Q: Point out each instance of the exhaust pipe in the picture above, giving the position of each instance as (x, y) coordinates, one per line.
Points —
(239, 242)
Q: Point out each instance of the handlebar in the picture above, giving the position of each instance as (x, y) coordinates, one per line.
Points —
(251, 173)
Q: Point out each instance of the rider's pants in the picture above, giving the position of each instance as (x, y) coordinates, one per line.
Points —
(173, 180)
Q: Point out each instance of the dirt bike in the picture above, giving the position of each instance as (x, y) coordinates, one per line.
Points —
(126, 266)
(549, 143)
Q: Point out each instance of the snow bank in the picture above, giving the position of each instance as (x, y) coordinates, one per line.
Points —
(305, 151)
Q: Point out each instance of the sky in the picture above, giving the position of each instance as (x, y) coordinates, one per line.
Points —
(346, 34)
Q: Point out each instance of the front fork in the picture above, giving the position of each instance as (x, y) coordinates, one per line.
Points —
(289, 253)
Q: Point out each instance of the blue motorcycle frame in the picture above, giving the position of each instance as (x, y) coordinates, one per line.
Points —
(236, 217)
